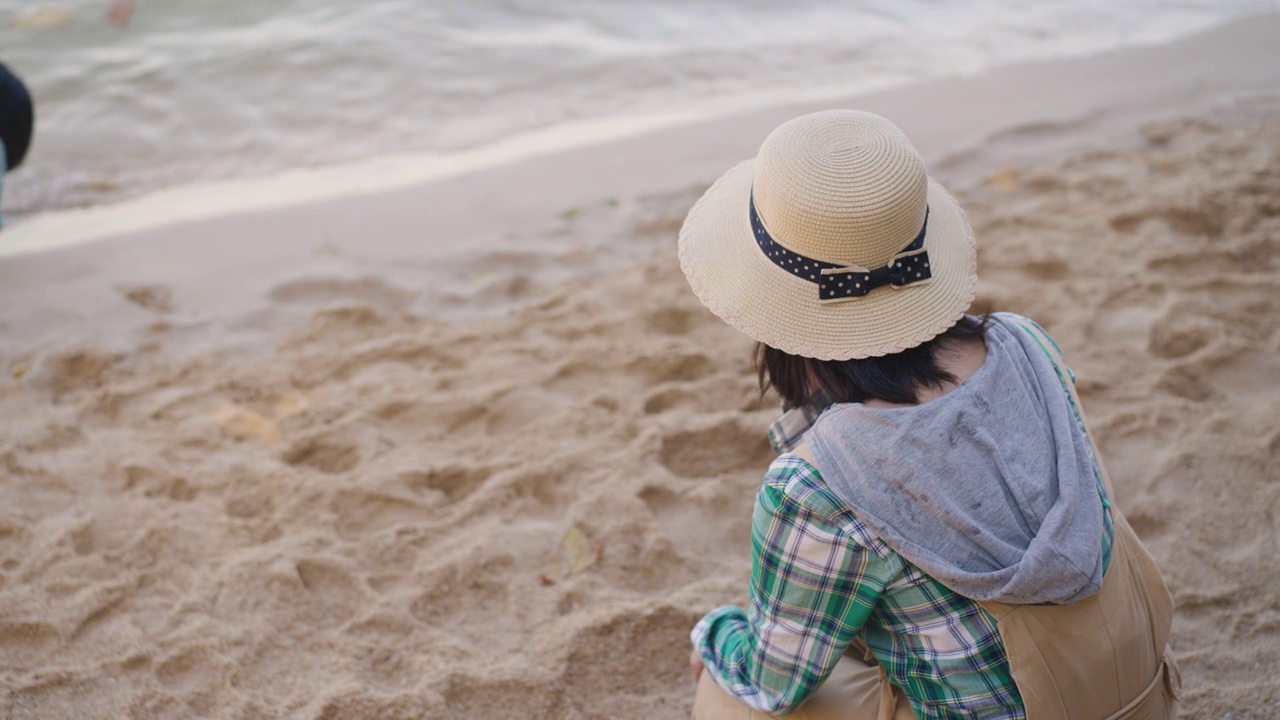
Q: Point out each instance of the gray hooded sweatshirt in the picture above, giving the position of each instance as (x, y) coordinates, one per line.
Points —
(990, 489)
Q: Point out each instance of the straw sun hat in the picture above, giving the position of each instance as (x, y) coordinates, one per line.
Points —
(833, 243)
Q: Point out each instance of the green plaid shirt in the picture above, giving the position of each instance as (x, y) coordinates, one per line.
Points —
(820, 579)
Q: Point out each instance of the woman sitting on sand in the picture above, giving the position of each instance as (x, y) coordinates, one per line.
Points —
(936, 539)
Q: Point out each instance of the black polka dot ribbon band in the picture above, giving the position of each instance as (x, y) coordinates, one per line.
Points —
(837, 283)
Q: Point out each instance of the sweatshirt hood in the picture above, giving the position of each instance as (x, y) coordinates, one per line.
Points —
(990, 489)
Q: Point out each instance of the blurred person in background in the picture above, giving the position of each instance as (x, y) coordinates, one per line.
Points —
(17, 117)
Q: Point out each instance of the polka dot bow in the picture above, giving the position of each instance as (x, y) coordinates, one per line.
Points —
(838, 283)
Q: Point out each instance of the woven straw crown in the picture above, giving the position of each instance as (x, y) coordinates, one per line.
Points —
(844, 188)
(852, 191)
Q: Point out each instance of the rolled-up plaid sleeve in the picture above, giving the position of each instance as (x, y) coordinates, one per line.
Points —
(814, 582)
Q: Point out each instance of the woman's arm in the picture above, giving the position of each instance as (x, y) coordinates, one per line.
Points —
(813, 586)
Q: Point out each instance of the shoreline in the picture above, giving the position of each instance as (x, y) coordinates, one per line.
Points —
(405, 113)
(488, 240)
(1210, 56)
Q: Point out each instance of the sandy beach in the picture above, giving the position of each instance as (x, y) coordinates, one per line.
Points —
(471, 448)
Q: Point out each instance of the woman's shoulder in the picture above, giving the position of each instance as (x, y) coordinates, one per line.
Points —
(794, 486)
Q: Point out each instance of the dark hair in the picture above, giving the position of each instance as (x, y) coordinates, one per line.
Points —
(803, 381)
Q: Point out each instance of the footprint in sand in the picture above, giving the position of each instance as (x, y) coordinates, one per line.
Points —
(673, 365)
(156, 298)
(462, 592)
(284, 591)
(74, 370)
(154, 483)
(709, 395)
(1179, 334)
(1195, 221)
(681, 516)
(386, 663)
(27, 642)
(489, 697)
(668, 398)
(335, 593)
(362, 511)
(672, 320)
(326, 454)
(655, 664)
(451, 483)
(370, 290)
(722, 448)
(193, 668)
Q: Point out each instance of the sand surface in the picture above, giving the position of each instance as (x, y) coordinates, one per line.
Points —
(319, 489)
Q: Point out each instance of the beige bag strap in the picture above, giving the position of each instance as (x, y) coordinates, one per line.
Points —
(1037, 652)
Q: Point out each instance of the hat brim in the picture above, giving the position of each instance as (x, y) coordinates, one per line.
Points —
(740, 284)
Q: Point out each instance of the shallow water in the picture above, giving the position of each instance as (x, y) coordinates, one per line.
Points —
(199, 90)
